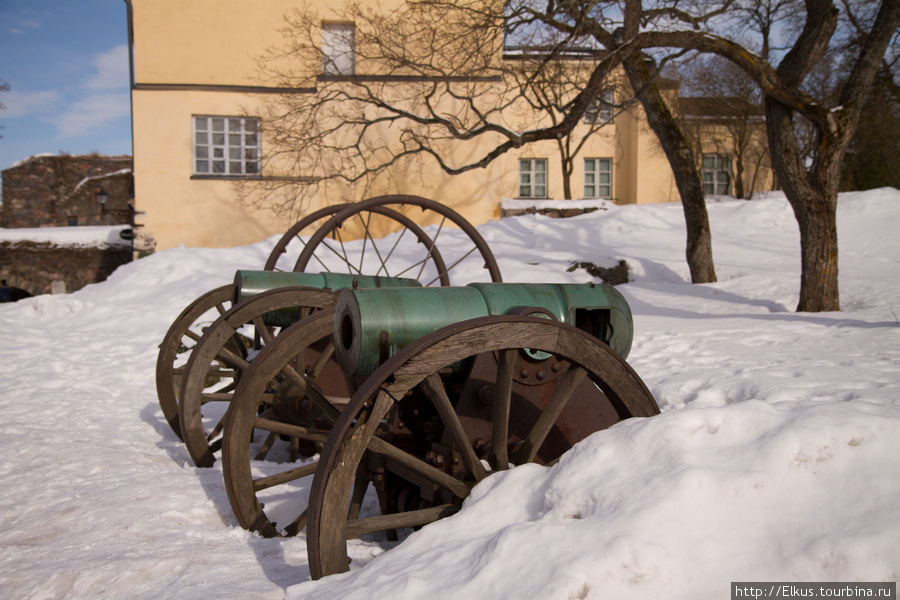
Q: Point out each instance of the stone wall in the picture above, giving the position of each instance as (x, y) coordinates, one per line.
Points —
(44, 268)
(59, 191)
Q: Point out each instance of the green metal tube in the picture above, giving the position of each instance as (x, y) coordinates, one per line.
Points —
(251, 283)
(373, 324)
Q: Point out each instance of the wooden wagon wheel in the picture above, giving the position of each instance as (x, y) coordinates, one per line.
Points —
(283, 395)
(412, 392)
(175, 350)
(320, 249)
(176, 347)
(217, 358)
(326, 249)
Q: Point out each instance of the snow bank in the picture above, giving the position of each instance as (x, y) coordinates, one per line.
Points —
(97, 236)
(775, 457)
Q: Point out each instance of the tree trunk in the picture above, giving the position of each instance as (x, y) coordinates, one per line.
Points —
(739, 176)
(684, 168)
(819, 258)
(814, 201)
(568, 163)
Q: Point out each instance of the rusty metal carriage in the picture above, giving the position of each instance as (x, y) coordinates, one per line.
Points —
(392, 377)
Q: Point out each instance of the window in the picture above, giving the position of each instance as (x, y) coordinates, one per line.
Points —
(716, 173)
(602, 110)
(226, 146)
(72, 221)
(338, 48)
(533, 178)
(598, 178)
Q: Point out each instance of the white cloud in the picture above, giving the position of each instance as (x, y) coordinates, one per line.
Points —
(25, 104)
(112, 70)
(92, 112)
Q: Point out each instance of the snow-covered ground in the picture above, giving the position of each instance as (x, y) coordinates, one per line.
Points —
(776, 456)
(67, 236)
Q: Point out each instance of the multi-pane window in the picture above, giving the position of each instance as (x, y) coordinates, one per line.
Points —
(716, 173)
(338, 48)
(598, 178)
(226, 146)
(533, 178)
(602, 109)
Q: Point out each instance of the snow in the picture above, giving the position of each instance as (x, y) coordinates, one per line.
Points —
(526, 203)
(19, 163)
(87, 180)
(775, 457)
(97, 236)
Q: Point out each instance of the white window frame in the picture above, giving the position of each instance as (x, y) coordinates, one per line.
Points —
(226, 146)
(532, 178)
(338, 49)
(716, 174)
(595, 171)
(602, 110)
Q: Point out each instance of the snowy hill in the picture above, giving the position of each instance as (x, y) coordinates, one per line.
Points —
(775, 457)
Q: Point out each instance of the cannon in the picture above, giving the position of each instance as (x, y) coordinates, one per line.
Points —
(446, 386)
(263, 303)
(378, 373)
(411, 219)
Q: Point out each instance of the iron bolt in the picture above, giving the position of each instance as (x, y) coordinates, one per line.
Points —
(487, 394)
(434, 458)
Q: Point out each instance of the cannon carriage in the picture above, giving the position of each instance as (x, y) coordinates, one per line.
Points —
(416, 391)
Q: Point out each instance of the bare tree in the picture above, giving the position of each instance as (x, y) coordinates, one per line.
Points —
(724, 111)
(430, 78)
(448, 55)
(873, 157)
(551, 76)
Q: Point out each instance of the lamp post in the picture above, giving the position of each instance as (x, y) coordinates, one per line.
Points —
(103, 198)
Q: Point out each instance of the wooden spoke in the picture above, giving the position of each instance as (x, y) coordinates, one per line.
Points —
(434, 389)
(266, 447)
(231, 358)
(216, 430)
(316, 370)
(360, 486)
(497, 457)
(296, 525)
(419, 466)
(264, 483)
(215, 397)
(538, 433)
(414, 518)
(280, 428)
(262, 330)
(294, 449)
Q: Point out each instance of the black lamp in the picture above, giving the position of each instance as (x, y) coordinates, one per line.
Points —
(102, 198)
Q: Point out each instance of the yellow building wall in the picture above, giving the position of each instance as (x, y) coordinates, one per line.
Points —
(189, 58)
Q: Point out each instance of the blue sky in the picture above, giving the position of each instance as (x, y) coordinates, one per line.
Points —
(67, 64)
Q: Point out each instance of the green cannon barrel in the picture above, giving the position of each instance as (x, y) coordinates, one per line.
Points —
(250, 283)
(373, 324)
